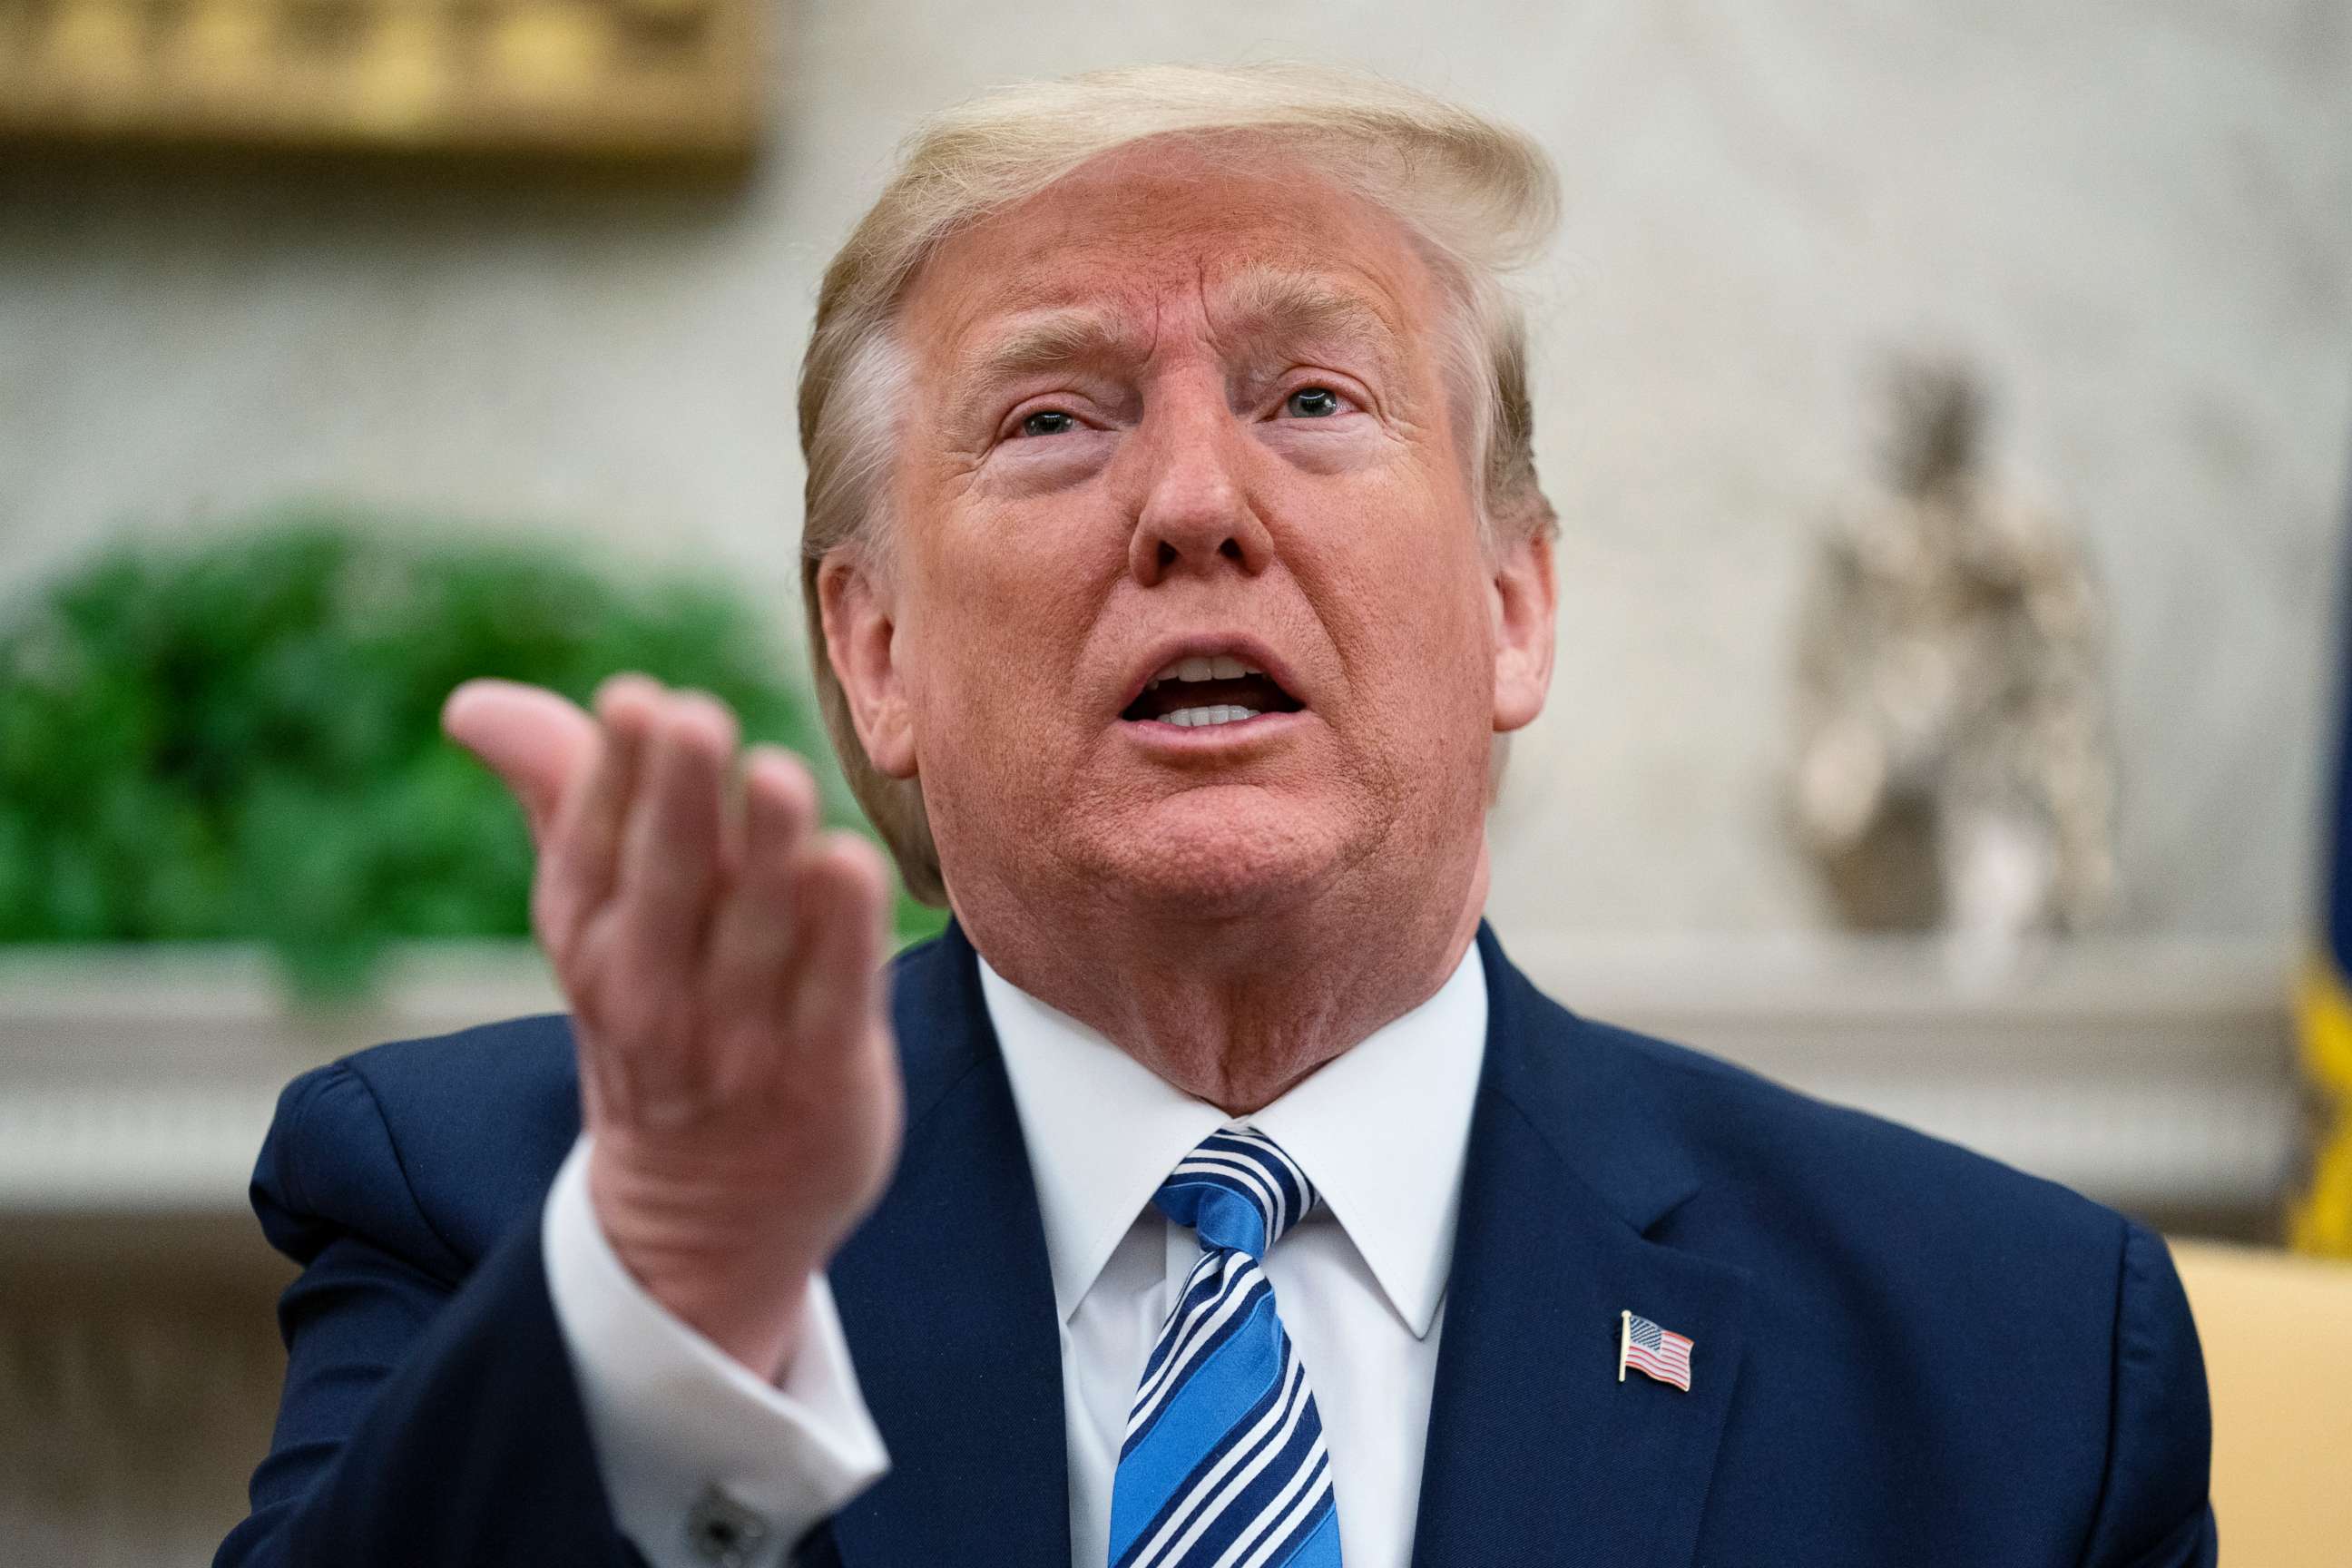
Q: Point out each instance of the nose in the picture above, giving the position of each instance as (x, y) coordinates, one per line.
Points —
(1195, 512)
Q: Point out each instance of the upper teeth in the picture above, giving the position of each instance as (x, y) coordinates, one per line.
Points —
(1218, 667)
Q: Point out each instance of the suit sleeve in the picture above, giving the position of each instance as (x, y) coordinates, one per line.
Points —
(428, 1413)
(432, 1412)
(2155, 1509)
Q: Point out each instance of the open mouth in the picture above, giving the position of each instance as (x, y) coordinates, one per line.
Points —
(1207, 689)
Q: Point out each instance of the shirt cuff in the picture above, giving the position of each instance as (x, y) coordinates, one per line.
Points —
(686, 1434)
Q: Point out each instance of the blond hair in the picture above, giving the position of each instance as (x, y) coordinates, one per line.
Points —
(1479, 197)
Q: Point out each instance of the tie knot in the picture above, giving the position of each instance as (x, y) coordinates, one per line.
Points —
(1238, 1190)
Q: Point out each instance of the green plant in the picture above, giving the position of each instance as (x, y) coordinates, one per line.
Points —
(238, 739)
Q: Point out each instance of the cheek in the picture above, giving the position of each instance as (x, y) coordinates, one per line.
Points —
(1445, 671)
(1003, 604)
(1403, 589)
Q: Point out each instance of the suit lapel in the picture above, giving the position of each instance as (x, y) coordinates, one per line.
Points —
(1533, 1445)
(948, 1303)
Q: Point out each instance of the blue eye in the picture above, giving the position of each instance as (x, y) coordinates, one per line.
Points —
(1047, 422)
(1312, 403)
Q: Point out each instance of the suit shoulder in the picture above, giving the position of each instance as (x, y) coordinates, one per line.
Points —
(431, 1147)
(436, 1148)
(488, 1074)
(1834, 1159)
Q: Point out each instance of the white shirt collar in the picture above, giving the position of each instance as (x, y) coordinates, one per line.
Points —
(1381, 1130)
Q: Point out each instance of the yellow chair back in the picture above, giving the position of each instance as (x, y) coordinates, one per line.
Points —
(2277, 1331)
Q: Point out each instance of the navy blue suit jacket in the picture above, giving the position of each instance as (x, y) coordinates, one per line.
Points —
(1905, 1354)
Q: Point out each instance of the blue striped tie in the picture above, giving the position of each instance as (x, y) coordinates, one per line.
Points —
(1223, 1465)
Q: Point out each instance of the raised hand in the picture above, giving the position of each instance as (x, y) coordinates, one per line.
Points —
(722, 963)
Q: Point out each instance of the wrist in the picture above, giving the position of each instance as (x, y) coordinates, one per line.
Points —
(760, 1330)
(731, 1266)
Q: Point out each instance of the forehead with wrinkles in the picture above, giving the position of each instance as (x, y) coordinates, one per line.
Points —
(1107, 262)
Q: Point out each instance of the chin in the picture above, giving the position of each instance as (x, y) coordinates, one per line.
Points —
(1206, 854)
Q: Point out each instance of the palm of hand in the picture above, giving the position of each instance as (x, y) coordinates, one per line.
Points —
(722, 964)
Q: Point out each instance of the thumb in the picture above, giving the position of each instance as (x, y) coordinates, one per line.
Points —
(537, 740)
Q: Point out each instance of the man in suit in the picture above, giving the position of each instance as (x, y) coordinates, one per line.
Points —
(1214, 1192)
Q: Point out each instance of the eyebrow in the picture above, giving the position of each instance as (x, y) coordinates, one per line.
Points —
(1041, 340)
(1290, 306)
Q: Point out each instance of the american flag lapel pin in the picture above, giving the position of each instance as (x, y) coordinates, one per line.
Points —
(1655, 1352)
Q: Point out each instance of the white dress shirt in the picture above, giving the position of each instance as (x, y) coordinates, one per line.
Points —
(1381, 1132)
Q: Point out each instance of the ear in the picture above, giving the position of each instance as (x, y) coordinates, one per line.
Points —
(861, 633)
(1522, 599)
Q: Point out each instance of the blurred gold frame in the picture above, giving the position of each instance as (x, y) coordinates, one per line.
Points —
(600, 79)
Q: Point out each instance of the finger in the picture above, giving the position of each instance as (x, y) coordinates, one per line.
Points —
(843, 893)
(581, 864)
(754, 935)
(670, 845)
(538, 742)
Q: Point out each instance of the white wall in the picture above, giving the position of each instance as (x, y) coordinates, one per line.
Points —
(2139, 215)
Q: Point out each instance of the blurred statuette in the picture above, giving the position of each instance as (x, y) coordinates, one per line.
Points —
(1955, 768)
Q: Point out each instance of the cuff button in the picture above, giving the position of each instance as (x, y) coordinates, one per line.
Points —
(724, 1532)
